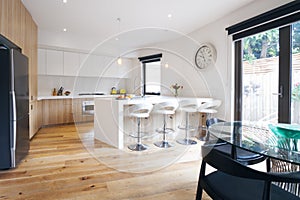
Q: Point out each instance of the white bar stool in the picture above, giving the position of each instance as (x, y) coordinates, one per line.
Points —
(188, 106)
(139, 111)
(165, 108)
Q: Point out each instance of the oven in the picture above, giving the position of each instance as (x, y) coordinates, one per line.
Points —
(88, 107)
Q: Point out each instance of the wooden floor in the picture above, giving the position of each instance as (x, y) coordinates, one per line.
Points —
(60, 166)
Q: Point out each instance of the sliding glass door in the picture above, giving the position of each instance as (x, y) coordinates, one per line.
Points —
(270, 76)
(295, 94)
(260, 76)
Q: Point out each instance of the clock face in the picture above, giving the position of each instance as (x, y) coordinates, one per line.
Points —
(204, 56)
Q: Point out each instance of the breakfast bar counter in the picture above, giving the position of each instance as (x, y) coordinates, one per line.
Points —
(110, 114)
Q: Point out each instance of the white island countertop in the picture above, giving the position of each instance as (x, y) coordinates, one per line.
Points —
(109, 116)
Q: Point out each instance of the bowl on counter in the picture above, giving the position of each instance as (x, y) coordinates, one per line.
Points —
(67, 93)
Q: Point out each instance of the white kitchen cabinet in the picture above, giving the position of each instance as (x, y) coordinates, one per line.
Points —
(71, 63)
(42, 62)
(54, 62)
(109, 69)
(65, 63)
(91, 65)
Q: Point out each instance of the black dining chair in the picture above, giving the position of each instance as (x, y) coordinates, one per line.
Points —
(241, 155)
(235, 181)
(283, 166)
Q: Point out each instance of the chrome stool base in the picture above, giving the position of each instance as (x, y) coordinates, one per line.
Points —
(163, 144)
(138, 147)
(166, 131)
(186, 141)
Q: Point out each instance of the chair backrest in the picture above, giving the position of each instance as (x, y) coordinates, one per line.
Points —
(212, 121)
(230, 166)
(188, 105)
(140, 110)
(167, 107)
(282, 166)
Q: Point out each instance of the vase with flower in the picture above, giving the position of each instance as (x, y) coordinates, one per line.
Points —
(176, 88)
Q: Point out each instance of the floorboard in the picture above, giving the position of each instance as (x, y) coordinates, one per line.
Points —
(64, 163)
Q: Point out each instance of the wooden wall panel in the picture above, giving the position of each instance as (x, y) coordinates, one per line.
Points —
(17, 25)
(4, 18)
(9, 20)
(22, 25)
(16, 19)
(33, 71)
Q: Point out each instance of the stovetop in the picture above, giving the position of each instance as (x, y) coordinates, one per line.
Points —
(91, 93)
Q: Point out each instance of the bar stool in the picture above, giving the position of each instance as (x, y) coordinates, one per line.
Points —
(188, 106)
(208, 108)
(139, 111)
(165, 108)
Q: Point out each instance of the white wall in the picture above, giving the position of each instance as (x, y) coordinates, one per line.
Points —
(214, 33)
(215, 81)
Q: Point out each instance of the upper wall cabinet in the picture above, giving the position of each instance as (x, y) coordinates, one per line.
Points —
(54, 60)
(64, 63)
(90, 65)
(71, 63)
(42, 62)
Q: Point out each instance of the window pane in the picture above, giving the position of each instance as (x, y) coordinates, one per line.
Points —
(260, 76)
(295, 106)
(153, 77)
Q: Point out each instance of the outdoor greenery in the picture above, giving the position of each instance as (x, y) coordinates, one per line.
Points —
(296, 92)
(265, 44)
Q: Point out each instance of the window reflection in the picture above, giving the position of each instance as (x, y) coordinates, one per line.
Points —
(295, 106)
(153, 78)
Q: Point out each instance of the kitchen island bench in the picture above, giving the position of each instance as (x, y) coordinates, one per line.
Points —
(111, 118)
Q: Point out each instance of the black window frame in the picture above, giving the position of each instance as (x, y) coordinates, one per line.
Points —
(144, 60)
(282, 18)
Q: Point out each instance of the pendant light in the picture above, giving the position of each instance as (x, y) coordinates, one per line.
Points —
(119, 60)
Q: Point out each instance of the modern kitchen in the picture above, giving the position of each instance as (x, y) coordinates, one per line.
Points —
(90, 65)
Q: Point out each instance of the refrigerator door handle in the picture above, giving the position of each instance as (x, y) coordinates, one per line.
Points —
(14, 105)
(14, 129)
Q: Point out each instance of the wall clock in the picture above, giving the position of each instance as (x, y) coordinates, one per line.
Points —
(205, 56)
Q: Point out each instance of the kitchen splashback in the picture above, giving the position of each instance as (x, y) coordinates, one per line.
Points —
(77, 84)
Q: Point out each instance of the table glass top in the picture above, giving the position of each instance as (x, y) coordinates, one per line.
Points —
(259, 139)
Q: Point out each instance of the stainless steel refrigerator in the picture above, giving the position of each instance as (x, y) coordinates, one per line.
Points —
(14, 114)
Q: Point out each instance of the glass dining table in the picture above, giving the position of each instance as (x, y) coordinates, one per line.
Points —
(259, 139)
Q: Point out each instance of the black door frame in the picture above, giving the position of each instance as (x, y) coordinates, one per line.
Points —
(285, 74)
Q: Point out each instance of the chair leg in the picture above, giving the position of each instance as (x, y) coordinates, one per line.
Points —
(164, 143)
(138, 146)
(186, 140)
(268, 164)
(199, 188)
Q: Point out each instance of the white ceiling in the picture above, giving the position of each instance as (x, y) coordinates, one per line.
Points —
(98, 18)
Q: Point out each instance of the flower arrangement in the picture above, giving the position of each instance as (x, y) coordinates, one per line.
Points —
(296, 92)
(176, 88)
